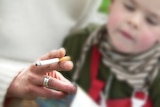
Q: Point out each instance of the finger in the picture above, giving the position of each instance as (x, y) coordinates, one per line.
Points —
(61, 85)
(61, 66)
(36, 79)
(57, 75)
(48, 93)
(39, 80)
(54, 54)
(60, 77)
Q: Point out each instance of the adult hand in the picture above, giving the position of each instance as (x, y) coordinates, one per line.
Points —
(29, 84)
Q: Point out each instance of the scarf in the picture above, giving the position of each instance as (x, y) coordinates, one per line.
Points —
(138, 70)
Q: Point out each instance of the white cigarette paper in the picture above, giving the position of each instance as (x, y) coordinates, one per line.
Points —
(51, 61)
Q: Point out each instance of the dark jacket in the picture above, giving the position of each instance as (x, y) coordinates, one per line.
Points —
(118, 90)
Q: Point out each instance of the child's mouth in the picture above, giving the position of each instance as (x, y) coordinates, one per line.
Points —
(126, 35)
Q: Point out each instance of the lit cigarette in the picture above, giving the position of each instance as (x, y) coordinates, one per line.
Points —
(51, 61)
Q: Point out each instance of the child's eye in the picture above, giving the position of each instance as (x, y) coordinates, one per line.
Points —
(151, 21)
(129, 7)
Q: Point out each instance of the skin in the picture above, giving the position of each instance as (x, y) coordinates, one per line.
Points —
(28, 83)
(134, 25)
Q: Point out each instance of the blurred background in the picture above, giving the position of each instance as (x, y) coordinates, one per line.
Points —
(26, 26)
(104, 7)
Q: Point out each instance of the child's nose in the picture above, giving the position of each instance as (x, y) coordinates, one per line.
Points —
(135, 20)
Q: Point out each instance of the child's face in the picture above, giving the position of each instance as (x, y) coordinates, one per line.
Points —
(134, 25)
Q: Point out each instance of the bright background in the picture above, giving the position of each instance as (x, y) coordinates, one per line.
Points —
(104, 6)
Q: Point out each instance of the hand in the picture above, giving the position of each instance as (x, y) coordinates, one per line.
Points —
(28, 83)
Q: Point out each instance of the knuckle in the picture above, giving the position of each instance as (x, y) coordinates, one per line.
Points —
(29, 90)
(52, 53)
(60, 67)
(49, 67)
(31, 77)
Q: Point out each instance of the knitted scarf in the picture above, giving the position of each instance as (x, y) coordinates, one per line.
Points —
(138, 70)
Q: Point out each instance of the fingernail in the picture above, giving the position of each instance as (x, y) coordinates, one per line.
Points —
(74, 83)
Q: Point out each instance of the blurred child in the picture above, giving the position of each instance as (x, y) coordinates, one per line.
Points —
(118, 63)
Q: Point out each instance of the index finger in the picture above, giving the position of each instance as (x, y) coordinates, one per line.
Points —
(57, 66)
(53, 54)
(61, 66)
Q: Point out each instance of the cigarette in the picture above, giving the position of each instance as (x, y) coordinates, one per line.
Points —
(51, 61)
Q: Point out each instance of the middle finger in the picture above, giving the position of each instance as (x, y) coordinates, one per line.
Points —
(61, 66)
